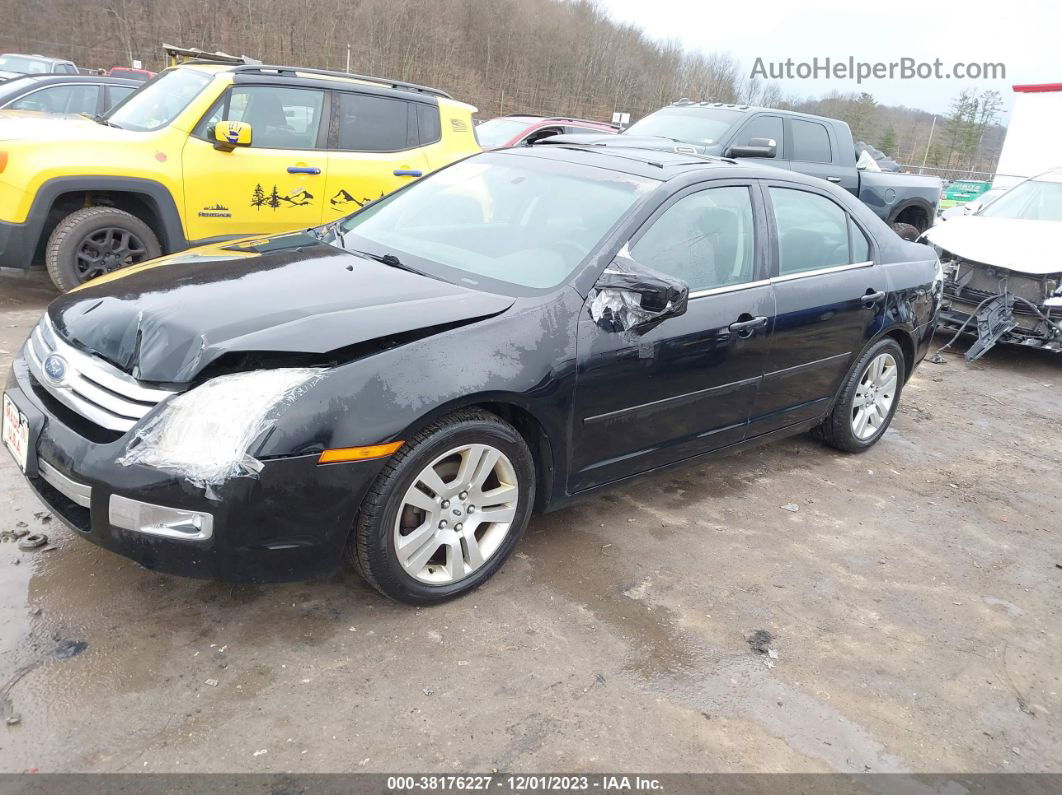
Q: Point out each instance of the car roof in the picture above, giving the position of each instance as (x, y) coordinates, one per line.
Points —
(60, 78)
(45, 58)
(655, 164)
(688, 103)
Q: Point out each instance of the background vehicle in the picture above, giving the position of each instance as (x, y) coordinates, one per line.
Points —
(812, 145)
(140, 75)
(962, 191)
(64, 93)
(522, 129)
(160, 173)
(516, 331)
(1031, 146)
(1002, 268)
(35, 65)
(973, 205)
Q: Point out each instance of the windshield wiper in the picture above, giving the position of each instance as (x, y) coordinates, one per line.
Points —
(387, 259)
(99, 118)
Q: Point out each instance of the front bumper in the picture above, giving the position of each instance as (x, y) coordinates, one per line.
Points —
(291, 522)
(958, 313)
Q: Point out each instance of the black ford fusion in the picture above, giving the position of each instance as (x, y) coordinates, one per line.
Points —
(404, 388)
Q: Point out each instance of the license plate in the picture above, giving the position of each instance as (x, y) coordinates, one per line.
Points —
(15, 432)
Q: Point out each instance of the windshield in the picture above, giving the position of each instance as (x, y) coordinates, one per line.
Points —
(159, 101)
(497, 218)
(700, 126)
(498, 132)
(1034, 200)
(24, 64)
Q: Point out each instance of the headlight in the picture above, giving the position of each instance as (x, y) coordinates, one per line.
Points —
(204, 435)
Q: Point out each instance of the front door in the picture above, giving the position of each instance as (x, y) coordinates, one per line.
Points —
(378, 149)
(686, 386)
(830, 298)
(274, 185)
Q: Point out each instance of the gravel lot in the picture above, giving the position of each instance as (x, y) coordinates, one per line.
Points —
(914, 601)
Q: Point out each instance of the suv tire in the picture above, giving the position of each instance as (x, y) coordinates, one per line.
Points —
(450, 549)
(93, 241)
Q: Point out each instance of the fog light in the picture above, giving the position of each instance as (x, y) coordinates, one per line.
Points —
(158, 520)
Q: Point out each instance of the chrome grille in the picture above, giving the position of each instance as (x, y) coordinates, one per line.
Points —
(98, 391)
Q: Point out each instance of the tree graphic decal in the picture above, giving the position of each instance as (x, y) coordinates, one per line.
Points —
(259, 197)
(274, 198)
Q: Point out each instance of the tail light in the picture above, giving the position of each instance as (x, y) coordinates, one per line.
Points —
(3, 161)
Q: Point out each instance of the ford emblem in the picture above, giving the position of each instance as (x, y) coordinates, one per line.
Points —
(55, 368)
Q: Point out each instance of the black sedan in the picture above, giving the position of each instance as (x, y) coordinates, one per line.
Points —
(89, 94)
(405, 387)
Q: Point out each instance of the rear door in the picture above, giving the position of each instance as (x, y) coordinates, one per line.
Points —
(830, 298)
(274, 185)
(686, 386)
(375, 149)
(814, 150)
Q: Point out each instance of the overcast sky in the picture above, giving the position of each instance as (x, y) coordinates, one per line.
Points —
(1021, 34)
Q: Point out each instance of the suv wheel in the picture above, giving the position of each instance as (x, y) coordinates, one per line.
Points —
(93, 241)
(868, 400)
(447, 510)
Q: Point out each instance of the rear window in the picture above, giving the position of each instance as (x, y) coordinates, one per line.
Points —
(369, 123)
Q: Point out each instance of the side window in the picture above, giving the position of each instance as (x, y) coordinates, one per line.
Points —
(60, 99)
(812, 231)
(376, 124)
(545, 132)
(430, 129)
(860, 244)
(116, 94)
(706, 239)
(67, 69)
(811, 142)
(280, 117)
(762, 127)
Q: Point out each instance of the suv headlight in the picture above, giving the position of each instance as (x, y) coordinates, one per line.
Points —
(204, 435)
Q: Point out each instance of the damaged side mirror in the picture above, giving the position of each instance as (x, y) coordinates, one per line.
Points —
(632, 297)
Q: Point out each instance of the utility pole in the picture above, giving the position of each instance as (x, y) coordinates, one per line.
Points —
(348, 59)
(929, 143)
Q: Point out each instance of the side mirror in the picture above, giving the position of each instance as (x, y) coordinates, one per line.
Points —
(757, 147)
(632, 297)
(230, 134)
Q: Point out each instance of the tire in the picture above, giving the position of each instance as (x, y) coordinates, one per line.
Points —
(437, 567)
(907, 231)
(839, 429)
(97, 232)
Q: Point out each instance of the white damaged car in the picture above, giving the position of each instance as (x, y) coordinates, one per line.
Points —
(1003, 266)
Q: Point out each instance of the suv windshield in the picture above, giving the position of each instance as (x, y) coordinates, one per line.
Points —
(513, 221)
(700, 126)
(159, 101)
(24, 64)
(1034, 200)
(498, 132)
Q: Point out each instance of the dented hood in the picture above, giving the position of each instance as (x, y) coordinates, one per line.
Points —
(168, 319)
(1016, 244)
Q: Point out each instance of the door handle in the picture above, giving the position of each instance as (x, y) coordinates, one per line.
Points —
(833, 179)
(407, 172)
(746, 328)
(303, 170)
(871, 298)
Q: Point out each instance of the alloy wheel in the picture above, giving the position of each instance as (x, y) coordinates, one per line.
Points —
(456, 515)
(106, 250)
(874, 396)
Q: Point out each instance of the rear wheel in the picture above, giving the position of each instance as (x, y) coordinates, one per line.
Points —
(446, 511)
(93, 241)
(907, 231)
(868, 400)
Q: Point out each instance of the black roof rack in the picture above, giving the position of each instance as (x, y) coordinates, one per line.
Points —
(296, 70)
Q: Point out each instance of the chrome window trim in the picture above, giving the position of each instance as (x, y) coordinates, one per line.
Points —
(77, 493)
(820, 271)
(728, 288)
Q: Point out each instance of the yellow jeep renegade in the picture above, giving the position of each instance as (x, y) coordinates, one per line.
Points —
(208, 152)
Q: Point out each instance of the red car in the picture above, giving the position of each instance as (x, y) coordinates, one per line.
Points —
(143, 75)
(523, 129)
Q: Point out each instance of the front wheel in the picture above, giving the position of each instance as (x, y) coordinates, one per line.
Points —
(93, 241)
(868, 399)
(447, 510)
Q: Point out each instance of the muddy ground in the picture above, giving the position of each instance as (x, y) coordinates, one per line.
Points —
(914, 599)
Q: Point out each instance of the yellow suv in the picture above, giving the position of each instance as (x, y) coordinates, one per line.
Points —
(209, 151)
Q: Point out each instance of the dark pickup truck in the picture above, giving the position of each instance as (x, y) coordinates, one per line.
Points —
(801, 142)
